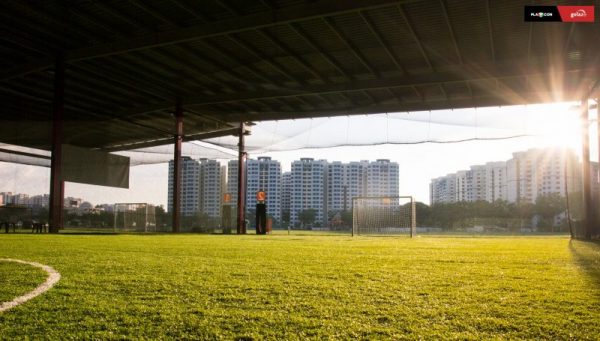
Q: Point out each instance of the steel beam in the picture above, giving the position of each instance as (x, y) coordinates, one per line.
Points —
(274, 17)
(451, 31)
(485, 75)
(178, 138)
(271, 62)
(290, 53)
(189, 9)
(163, 141)
(253, 69)
(414, 35)
(483, 101)
(310, 41)
(587, 184)
(56, 199)
(491, 29)
(241, 188)
(382, 43)
(355, 50)
(144, 6)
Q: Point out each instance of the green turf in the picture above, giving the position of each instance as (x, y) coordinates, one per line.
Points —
(18, 279)
(299, 287)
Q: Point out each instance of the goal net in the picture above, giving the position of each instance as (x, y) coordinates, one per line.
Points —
(384, 215)
(134, 217)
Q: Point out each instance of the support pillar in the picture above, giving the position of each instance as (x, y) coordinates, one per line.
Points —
(596, 209)
(241, 188)
(56, 183)
(178, 139)
(596, 230)
(588, 214)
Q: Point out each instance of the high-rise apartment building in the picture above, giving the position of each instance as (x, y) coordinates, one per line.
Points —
(443, 189)
(355, 182)
(200, 187)
(382, 178)
(286, 179)
(538, 172)
(337, 189)
(496, 184)
(223, 181)
(17, 199)
(232, 181)
(330, 187)
(311, 184)
(523, 178)
(41, 200)
(463, 187)
(210, 188)
(190, 186)
(308, 189)
(6, 198)
(478, 184)
(264, 174)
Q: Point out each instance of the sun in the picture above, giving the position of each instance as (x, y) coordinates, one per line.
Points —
(556, 125)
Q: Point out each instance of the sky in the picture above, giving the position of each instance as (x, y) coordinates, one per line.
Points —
(550, 125)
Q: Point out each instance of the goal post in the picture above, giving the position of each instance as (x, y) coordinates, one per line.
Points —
(386, 215)
(134, 217)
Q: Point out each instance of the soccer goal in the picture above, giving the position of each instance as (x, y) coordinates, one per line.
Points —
(134, 217)
(391, 215)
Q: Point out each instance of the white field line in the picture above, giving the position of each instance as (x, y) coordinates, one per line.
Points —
(53, 278)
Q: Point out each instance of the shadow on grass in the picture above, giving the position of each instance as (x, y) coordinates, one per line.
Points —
(587, 256)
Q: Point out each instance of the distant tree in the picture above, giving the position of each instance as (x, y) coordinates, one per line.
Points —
(482, 209)
(98, 219)
(307, 217)
(347, 218)
(160, 214)
(41, 214)
(199, 222)
(423, 213)
(334, 219)
(501, 209)
(463, 213)
(548, 207)
(447, 215)
(285, 217)
(524, 211)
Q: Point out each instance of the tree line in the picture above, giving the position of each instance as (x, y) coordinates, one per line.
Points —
(547, 214)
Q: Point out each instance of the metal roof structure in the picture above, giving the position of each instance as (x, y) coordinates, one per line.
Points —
(128, 62)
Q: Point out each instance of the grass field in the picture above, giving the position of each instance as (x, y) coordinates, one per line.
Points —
(299, 287)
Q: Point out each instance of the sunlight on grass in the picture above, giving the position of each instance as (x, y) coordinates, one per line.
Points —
(298, 287)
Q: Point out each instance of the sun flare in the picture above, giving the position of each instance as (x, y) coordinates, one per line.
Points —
(556, 125)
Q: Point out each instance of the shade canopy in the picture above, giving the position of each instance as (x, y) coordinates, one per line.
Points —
(129, 62)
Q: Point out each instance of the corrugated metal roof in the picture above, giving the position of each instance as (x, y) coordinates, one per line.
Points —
(128, 62)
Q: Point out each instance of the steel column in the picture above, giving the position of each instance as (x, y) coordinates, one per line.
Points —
(596, 230)
(585, 161)
(241, 188)
(178, 138)
(56, 184)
